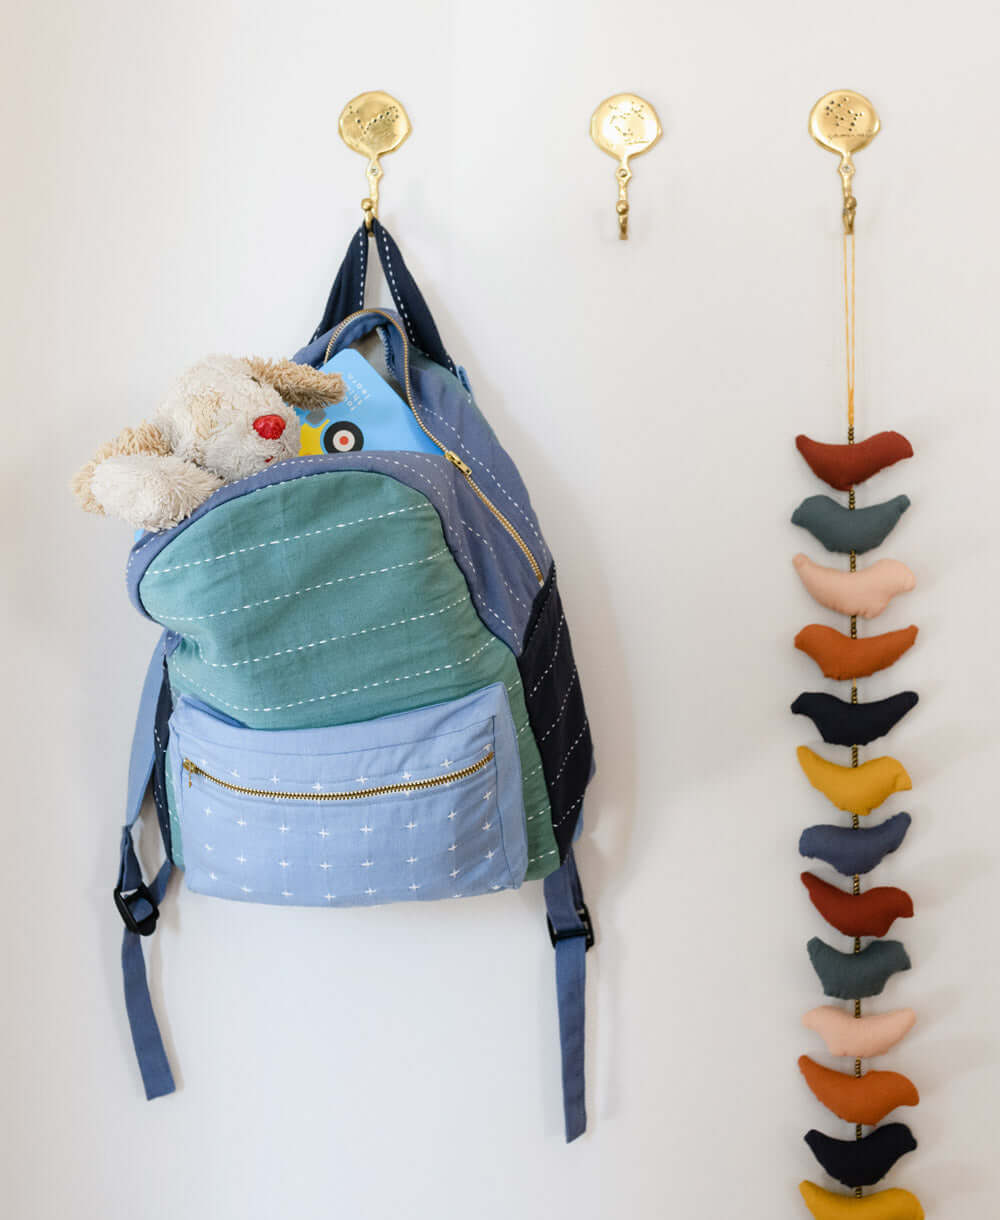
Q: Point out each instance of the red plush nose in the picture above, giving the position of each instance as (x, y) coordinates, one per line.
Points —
(270, 427)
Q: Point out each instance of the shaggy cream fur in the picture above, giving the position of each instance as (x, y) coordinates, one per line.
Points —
(201, 437)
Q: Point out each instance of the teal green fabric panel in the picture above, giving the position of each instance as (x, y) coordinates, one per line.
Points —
(329, 600)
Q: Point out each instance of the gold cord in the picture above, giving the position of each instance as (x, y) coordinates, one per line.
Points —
(849, 336)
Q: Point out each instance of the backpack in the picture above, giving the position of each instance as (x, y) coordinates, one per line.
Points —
(365, 690)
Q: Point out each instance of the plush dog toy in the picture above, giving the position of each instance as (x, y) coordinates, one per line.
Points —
(225, 419)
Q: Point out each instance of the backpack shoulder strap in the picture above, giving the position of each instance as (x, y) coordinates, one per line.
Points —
(138, 903)
(347, 294)
(572, 934)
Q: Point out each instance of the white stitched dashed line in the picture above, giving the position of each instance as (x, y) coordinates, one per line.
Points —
(377, 460)
(282, 652)
(351, 690)
(565, 757)
(489, 546)
(282, 467)
(531, 816)
(395, 290)
(576, 805)
(562, 706)
(535, 859)
(503, 621)
(540, 616)
(555, 653)
(363, 245)
(338, 580)
(258, 546)
(545, 558)
(479, 462)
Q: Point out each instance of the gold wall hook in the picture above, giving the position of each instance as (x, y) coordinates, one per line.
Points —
(373, 124)
(624, 126)
(844, 121)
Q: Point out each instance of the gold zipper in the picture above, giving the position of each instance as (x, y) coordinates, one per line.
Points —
(450, 454)
(418, 785)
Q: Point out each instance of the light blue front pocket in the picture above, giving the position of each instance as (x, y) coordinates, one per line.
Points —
(421, 805)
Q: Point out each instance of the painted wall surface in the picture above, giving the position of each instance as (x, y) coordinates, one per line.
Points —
(175, 185)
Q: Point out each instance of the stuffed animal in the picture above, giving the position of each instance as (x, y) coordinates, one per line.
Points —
(225, 419)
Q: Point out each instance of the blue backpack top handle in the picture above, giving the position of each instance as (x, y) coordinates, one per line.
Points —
(347, 295)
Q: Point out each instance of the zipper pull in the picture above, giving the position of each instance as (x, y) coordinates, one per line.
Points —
(455, 460)
(190, 768)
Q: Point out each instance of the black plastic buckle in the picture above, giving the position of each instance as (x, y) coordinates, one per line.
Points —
(142, 927)
(586, 931)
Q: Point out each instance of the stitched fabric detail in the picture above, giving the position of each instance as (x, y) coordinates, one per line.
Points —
(376, 639)
(257, 546)
(556, 712)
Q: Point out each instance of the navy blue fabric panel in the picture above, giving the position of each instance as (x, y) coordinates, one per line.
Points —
(347, 295)
(556, 711)
(161, 735)
(501, 582)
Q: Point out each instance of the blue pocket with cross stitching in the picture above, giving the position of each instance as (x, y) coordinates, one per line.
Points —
(418, 805)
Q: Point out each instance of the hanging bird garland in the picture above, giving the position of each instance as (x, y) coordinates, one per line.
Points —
(844, 122)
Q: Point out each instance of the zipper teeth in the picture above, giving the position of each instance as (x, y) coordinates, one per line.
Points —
(448, 453)
(438, 781)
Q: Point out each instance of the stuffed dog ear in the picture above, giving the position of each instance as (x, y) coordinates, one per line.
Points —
(147, 438)
(300, 385)
(150, 491)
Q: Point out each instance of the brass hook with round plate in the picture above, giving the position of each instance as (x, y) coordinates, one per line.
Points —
(373, 124)
(624, 126)
(844, 121)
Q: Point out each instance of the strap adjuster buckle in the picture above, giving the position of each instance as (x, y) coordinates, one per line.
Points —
(144, 926)
(587, 931)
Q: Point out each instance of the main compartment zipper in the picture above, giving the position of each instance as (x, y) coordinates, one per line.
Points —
(450, 454)
(417, 785)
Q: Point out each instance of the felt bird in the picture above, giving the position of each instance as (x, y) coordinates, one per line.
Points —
(843, 529)
(855, 789)
(894, 1204)
(853, 724)
(842, 466)
(838, 656)
(862, 1162)
(856, 976)
(851, 851)
(865, 593)
(864, 1037)
(863, 1099)
(869, 914)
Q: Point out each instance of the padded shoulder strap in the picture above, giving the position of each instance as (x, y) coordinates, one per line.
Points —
(347, 295)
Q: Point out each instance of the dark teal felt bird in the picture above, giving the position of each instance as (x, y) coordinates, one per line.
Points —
(843, 529)
(855, 976)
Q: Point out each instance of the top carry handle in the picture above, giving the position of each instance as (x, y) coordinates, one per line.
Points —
(347, 295)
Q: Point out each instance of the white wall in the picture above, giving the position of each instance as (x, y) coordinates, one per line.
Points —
(175, 185)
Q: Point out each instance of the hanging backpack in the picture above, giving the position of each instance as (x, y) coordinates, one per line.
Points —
(364, 691)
